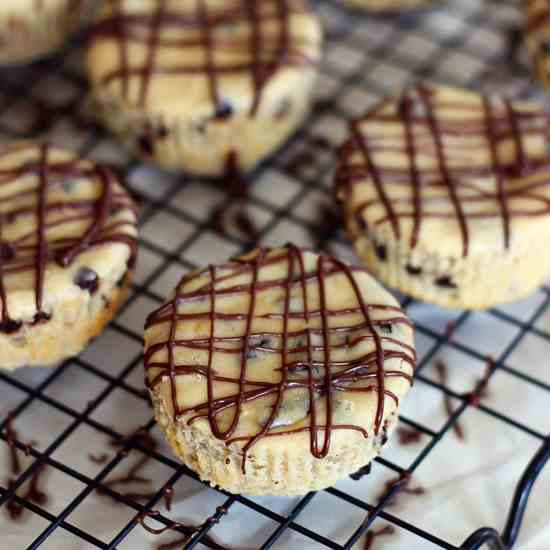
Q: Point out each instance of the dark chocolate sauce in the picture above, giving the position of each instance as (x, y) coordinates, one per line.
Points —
(372, 535)
(11, 437)
(419, 112)
(337, 375)
(133, 475)
(408, 436)
(442, 371)
(362, 472)
(402, 483)
(450, 328)
(481, 390)
(233, 210)
(98, 459)
(176, 525)
(33, 251)
(32, 494)
(327, 226)
(168, 495)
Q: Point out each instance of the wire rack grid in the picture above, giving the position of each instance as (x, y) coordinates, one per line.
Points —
(465, 43)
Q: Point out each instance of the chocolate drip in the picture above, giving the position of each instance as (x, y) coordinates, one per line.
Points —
(371, 535)
(442, 371)
(335, 376)
(133, 475)
(428, 133)
(12, 437)
(362, 472)
(481, 390)
(34, 251)
(408, 436)
(168, 495)
(32, 494)
(237, 189)
(204, 28)
(99, 459)
(402, 483)
(176, 525)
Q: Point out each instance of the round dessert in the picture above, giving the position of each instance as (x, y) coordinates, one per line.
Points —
(388, 5)
(279, 372)
(446, 195)
(537, 36)
(188, 83)
(30, 29)
(67, 245)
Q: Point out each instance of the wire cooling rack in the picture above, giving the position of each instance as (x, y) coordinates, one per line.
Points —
(81, 413)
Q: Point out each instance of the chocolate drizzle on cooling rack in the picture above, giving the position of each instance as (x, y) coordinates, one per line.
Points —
(442, 370)
(176, 525)
(336, 376)
(34, 250)
(372, 535)
(133, 476)
(408, 436)
(428, 133)
(237, 190)
(402, 483)
(33, 493)
(210, 29)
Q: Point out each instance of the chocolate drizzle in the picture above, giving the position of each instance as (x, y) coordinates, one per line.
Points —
(304, 364)
(133, 476)
(176, 525)
(33, 493)
(442, 371)
(371, 535)
(33, 251)
(237, 189)
(481, 391)
(402, 482)
(437, 171)
(362, 472)
(408, 436)
(210, 29)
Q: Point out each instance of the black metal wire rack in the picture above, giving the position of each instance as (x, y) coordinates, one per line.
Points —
(467, 43)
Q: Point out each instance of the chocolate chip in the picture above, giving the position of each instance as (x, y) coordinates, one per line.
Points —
(162, 132)
(413, 270)
(9, 326)
(381, 252)
(7, 252)
(445, 282)
(386, 327)
(87, 279)
(223, 111)
(145, 144)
